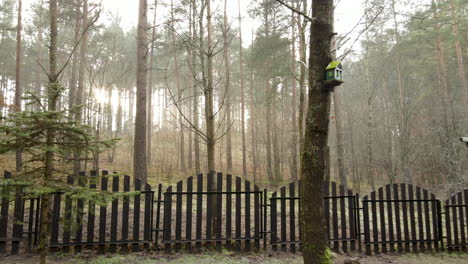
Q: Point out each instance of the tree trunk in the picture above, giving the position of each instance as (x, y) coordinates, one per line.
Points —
(227, 77)
(149, 127)
(72, 85)
(80, 90)
(314, 239)
(196, 139)
(294, 123)
(252, 120)
(302, 89)
(18, 88)
(208, 91)
(241, 73)
(139, 154)
(268, 101)
(52, 95)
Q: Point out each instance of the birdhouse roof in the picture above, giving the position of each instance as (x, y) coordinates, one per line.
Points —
(334, 64)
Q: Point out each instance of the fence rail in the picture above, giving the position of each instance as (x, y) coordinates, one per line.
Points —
(220, 210)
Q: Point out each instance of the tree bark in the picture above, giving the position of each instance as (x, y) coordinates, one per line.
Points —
(149, 127)
(196, 139)
(241, 72)
(139, 154)
(294, 123)
(52, 95)
(268, 101)
(80, 90)
(208, 92)
(301, 25)
(227, 77)
(314, 239)
(18, 88)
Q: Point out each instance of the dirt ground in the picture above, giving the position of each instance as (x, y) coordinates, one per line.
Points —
(231, 258)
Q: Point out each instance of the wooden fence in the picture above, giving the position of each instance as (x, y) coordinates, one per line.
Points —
(216, 210)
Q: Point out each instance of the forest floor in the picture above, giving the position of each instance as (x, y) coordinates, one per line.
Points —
(231, 258)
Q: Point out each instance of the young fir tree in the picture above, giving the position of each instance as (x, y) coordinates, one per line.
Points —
(46, 136)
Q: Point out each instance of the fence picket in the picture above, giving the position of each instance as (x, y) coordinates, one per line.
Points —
(336, 243)
(199, 209)
(114, 214)
(397, 218)
(188, 221)
(125, 213)
(273, 223)
(178, 217)
(91, 209)
(391, 235)
(427, 219)
(167, 218)
(238, 213)
(375, 221)
(228, 211)
(343, 227)
(257, 223)
(420, 219)
(292, 221)
(79, 214)
(103, 217)
(147, 217)
(219, 210)
(283, 218)
(136, 216)
(462, 220)
(413, 219)
(405, 216)
(382, 220)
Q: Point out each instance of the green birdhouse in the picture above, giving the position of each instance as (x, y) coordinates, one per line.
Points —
(334, 71)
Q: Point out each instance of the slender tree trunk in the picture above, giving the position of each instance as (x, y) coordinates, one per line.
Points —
(314, 238)
(52, 95)
(227, 77)
(208, 91)
(252, 120)
(294, 123)
(18, 88)
(149, 127)
(268, 102)
(139, 154)
(195, 92)
(72, 85)
(301, 25)
(80, 90)
(241, 73)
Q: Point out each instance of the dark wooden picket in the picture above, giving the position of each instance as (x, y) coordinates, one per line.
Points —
(399, 198)
(456, 220)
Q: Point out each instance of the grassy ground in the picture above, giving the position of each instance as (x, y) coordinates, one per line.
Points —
(231, 258)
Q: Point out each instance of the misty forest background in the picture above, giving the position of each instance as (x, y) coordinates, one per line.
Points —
(397, 118)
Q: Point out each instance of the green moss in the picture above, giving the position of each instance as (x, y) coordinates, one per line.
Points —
(327, 257)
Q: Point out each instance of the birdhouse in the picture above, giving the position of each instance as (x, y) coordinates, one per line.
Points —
(334, 71)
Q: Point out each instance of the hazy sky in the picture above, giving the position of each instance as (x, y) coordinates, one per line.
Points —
(347, 13)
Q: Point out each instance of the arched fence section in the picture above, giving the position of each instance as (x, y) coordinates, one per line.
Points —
(401, 217)
(217, 210)
(212, 211)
